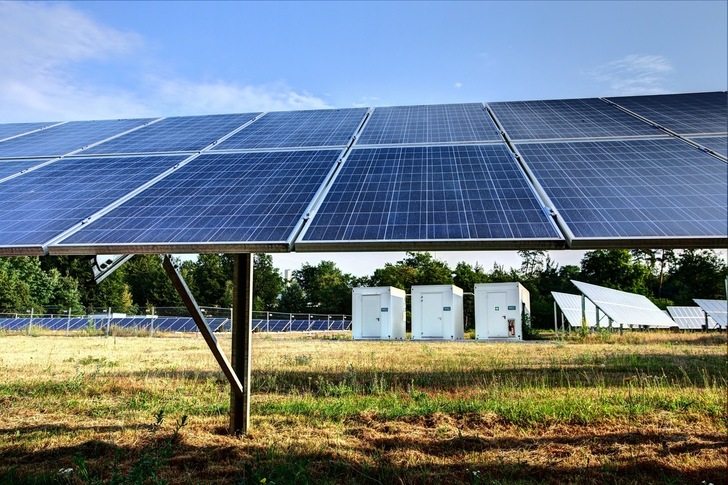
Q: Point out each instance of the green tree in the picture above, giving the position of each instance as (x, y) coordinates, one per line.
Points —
(416, 269)
(696, 274)
(327, 288)
(614, 268)
(293, 299)
(149, 283)
(208, 279)
(267, 283)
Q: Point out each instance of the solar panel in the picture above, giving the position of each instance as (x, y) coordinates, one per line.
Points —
(293, 129)
(11, 167)
(718, 144)
(224, 201)
(66, 138)
(716, 309)
(39, 205)
(568, 118)
(186, 133)
(13, 129)
(571, 308)
(689, 317)
(684, 114)
(643, 190)
(445, 123)
(625, 308)
(469, 195)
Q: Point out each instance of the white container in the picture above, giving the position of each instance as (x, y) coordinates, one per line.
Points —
(378, 313)
(437, 312)
(499, 310)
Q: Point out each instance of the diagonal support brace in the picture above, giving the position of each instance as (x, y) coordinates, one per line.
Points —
(207, 334)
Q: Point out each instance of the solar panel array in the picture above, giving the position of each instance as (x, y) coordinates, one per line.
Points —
(540, 174)
(570, 306)
(716, 309)
(684, 114)
(625, 308)
(690, 317)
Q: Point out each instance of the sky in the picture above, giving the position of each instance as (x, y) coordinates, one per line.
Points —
(98, 60)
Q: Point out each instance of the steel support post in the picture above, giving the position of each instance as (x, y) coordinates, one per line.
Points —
(242, 336)
(237, 389)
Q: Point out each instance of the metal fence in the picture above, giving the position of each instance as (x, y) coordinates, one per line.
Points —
(163, 320)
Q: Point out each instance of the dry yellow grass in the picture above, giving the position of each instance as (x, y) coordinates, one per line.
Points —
(642, 408)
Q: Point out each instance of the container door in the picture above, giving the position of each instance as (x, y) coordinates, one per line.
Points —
(370, 316)
(496, 306)
(432, 324)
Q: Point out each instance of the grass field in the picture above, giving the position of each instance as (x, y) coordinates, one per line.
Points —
(640, 408)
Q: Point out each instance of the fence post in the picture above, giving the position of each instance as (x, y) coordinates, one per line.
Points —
(108, 321)
(30, 322)
(309, 323)
(267, 322)
(68, 323)
(328, 322)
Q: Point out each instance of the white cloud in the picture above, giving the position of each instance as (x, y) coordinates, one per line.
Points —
(458, 85)
(635, 75)
(51, 51)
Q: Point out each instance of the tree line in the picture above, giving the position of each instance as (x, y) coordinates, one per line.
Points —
(56, 284)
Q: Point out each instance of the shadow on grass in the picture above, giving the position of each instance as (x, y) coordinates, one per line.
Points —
(377, 456)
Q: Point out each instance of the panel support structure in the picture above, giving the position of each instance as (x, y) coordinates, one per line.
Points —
(242, 336)
(238, 390)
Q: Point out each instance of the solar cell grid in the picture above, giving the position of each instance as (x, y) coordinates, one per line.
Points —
(689, 317)
(13, 129)
(633, 189)
(567, 118)
(429, 124)
(717, 309)
(251, 197)
(292, 129)
(11, 167)
(718, 144)
(186, 133)
(66, 138)
(461, 192)
(684, 114)
(41, 204)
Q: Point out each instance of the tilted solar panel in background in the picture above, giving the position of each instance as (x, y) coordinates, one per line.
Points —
(467, 194)
(13, 129)
(252, 198)
(624, 307)
(445, 123)
(66, 138)
(185, 133)
(39, 205)
(292, 129)
(14, 324)
(684, 114)
(570, 306)
(716, 309)
(718, 144)
(567, 118)
(644, 190)
(689, 317)
(11, 167)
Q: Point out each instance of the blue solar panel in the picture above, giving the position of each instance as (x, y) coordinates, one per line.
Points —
(41, 204)
(234, 198)
(567, 118)
(188, 133)
(633, 188)
(445, 123)
(460, 193)
(718, 144)
(11, 167)
(682, 113)
(291, 129)
(65, 138)
(13, 129)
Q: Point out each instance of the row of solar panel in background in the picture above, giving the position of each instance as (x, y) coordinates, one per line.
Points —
(687, 115)
(162, 324)
(200, 216)
(167, 324)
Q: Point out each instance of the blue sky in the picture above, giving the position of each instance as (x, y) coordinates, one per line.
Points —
(93, 60)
